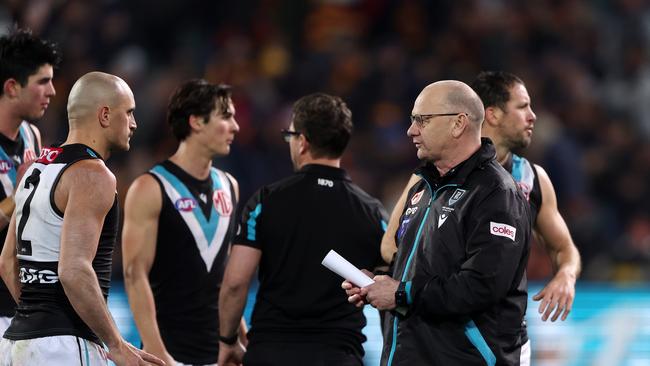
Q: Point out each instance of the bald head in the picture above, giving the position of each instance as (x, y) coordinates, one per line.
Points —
(451, 96)
(92, 91)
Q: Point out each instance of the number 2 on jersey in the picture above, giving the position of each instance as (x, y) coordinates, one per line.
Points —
(24, 247)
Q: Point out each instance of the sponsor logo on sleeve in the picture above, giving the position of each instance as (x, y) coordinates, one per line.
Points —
(417, 197)
(410, 211)
(504, 230)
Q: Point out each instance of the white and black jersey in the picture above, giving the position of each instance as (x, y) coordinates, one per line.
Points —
(44, 309)
(12, 154)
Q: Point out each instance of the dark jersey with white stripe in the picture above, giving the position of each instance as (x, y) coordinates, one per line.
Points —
(295, 222)
(195, 229)
(12, 154)
(44, 309)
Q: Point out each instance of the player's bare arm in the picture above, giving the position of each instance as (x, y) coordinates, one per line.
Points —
(139, 234)
(557, 295)
(241, 266)
(9, 261)
(388, 245)
(86, 192)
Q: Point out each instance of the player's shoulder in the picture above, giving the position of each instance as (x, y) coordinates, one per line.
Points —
(145, 181)
(90, 172)
(144, 187)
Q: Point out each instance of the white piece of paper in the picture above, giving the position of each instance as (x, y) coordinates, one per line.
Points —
(345, 269)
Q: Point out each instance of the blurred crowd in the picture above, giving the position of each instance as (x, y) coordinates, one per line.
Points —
(586, 66)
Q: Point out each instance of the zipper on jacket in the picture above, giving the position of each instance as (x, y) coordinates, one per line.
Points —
(434, 195)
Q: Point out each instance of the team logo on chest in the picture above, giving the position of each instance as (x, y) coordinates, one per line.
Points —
(458, 193)
(6, 166)
(222, 202)
(185, 204)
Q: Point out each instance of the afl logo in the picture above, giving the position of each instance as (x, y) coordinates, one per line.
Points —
(6, 166)
(185, 204)
(222, 202)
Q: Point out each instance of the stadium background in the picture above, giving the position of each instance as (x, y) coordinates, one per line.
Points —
(585, 63)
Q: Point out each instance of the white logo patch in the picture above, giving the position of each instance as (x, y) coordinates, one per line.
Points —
(416, 197)
(442, 218)
(499, 229)
(325, 182)
(458, 193)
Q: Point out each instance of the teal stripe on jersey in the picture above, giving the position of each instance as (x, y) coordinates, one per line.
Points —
(86, 350)
(208, 226)
(517, 166)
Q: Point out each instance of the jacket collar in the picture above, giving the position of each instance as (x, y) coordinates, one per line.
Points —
(459, 173)
(325, 171)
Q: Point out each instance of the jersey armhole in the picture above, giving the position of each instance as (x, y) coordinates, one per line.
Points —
(536, 184)
(160, 185)
(53, 206)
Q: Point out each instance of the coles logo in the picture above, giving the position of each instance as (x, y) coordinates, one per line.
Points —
(48, 154)
(6, 166)
(185, 204)
(499, 229)
(222, 202)
(416, 197)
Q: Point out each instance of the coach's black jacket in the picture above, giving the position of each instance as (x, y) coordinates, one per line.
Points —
(463, 244)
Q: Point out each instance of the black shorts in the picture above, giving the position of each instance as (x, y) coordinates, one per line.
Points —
(300, 354)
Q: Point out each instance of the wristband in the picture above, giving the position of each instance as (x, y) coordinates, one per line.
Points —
(228, 340)
(401, 297)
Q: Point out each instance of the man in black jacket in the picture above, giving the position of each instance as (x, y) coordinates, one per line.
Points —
(458, 291)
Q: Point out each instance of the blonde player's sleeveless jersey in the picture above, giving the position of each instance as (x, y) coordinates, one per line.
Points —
(44, 309)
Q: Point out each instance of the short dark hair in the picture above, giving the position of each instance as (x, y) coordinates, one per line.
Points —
(22, 54)
(325, 121)
(493, 87)
(196, 97)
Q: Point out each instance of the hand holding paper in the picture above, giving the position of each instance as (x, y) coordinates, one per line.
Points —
(345, 269)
